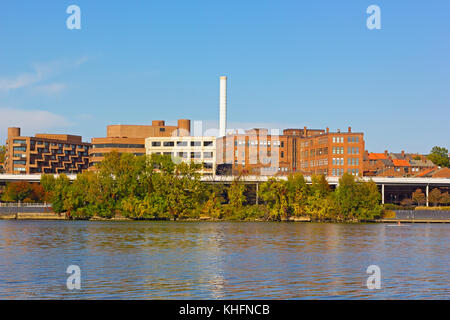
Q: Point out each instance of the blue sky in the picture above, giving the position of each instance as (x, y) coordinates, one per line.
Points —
(289, 64)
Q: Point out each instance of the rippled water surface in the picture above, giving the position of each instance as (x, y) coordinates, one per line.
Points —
(201, 260)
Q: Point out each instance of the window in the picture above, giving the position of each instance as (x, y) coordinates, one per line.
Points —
(196, 155)
(282, 154)
(182, 154)
(20, 162)
(168, 143)
(20, 148)
(162, 129)
(167, 153)
(117, 145)
(19, 141)
(207, 143)
(156, 143)
(207, 155)
(207, 165)
(196, 143)
(181, 143)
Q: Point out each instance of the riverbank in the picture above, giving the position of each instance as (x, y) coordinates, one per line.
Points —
(402, 216)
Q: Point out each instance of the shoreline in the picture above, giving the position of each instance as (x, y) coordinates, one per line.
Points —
(39, 216)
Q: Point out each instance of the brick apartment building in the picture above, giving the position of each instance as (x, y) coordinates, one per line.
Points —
(45, 153)
(131, 138)
(310, 151)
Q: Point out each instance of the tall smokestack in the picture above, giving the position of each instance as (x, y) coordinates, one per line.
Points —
(223, 106)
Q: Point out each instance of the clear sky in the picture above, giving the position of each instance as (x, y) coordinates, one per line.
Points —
(289, 64)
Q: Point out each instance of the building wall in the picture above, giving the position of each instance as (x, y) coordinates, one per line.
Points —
(198, 149)
(45, 153)
(332, 153)
(131, 138)
(309, 151)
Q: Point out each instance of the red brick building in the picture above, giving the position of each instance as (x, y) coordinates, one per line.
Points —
(310, 151)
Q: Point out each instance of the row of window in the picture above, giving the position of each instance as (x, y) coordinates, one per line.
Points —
(261, 143)
(119, 145)
(194, 155)
(349, 139)
(350, 150)
(340, 172)
(182, 143)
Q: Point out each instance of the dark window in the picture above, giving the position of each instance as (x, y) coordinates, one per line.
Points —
(196, 143)
(207, 143)
(156, 143)
(168, 143)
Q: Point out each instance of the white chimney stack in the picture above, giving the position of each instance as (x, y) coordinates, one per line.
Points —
(223, 106)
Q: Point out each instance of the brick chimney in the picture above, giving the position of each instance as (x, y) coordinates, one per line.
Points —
(305, 131)
(328, 130)
(349, 129)
(403, 154)
(385, 153)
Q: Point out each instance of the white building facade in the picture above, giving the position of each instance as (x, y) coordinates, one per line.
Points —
(201, 149)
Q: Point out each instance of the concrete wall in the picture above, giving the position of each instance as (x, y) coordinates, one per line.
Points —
(423, 214)
(32, 213)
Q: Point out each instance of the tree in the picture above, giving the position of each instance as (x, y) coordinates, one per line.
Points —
(419, 197)
(407, 202)
(236, 195)
(446, 198)
(24, 192)
(298, 192)
(2, 156)
(439, 156)
(275, 193)
(357, 199)
(435, 196)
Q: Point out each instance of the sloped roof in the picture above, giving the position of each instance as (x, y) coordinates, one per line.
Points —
(401, 163)
(425, 173)
(421, 163)
(377, 156)
(441, 173)
(387, 162)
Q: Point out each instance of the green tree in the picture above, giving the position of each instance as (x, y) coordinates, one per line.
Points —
(357, 199)
(2, 157)
(275, 194)
(57, 191)
(298, 192)
(236, 196)
(439, 156)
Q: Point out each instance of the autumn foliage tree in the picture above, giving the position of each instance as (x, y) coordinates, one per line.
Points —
(419, 197)
(23, 192)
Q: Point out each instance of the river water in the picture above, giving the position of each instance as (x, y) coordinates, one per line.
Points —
(226, 260)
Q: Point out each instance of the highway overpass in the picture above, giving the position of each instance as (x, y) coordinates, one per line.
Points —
(393, 189)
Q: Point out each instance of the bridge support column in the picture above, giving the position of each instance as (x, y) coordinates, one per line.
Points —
(257, 191)
(427, 192)
(382, 193)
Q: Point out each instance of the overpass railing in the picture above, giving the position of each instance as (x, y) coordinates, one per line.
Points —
(25, 205)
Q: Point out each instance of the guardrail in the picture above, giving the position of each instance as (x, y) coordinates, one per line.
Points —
(25, 205)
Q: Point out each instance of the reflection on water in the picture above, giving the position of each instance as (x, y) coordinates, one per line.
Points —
(176, 260)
